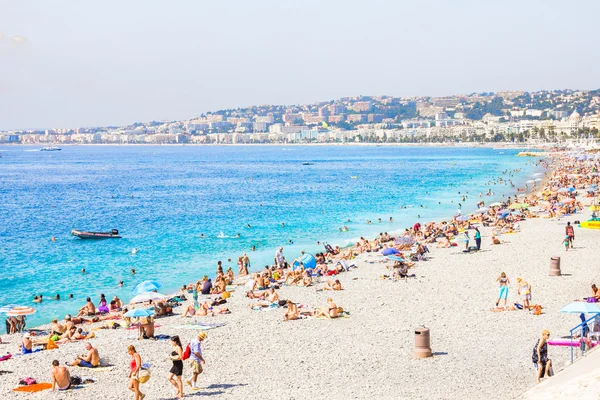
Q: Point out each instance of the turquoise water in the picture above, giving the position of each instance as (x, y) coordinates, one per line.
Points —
(163, 198)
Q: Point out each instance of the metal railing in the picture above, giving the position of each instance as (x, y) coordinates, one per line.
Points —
(586, 332)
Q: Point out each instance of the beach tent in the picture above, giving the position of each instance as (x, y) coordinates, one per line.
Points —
(389, 251)
(147, 296)
(146, 286)
(308, 260)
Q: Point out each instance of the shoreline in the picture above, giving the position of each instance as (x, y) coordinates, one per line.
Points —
(349, 242)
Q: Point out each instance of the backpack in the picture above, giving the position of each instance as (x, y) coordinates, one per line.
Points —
(186, 353)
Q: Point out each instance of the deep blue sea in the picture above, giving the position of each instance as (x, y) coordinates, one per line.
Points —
(163, 198)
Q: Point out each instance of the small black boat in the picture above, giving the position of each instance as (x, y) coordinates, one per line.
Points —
(113, 234)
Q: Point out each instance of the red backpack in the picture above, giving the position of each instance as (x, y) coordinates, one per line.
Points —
(186, 352)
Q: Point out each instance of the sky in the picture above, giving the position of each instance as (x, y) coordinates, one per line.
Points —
(68, 64)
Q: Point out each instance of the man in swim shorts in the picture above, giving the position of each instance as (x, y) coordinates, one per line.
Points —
(61, 378)
(91, 360)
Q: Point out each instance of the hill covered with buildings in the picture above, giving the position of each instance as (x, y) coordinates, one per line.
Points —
(515, 116)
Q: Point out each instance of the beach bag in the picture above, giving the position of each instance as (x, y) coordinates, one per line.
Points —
(186, 353)
(537, 309)
(143, 376)
(75, 380)
(27, 381)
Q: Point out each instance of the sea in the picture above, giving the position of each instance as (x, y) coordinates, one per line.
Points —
(180, 209)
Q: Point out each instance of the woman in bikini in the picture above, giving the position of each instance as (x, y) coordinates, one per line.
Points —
(134, 368)
(292, 311)
(503, 281)
(332, 310)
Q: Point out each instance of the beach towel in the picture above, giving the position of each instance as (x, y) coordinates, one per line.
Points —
(38, 387)
(97, 369)
(200, 325)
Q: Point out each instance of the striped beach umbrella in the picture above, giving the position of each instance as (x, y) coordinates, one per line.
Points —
(20, 311)
(7, 308)
(147, 296)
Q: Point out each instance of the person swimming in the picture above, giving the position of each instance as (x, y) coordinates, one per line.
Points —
(57, 297)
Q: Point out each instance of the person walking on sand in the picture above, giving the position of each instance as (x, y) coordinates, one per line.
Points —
(570, 232)
(477, 238)
(177, 369)
(503, 281)
(566, 243)
(197, 359)
(540, 356)
(134, 369)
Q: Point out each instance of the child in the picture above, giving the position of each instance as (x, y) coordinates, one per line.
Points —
(566, 242)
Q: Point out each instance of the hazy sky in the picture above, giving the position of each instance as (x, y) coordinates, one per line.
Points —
(89, 63)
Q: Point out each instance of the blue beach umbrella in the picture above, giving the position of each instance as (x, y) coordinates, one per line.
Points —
(390, 251)
(138, 312)
(462, 218)
(578, 307)
(147, 286)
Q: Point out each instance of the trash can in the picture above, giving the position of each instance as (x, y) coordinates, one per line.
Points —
(554, 266)
(422, 344)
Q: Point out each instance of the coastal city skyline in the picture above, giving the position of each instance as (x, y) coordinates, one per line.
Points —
(62, 66)
(509, 116)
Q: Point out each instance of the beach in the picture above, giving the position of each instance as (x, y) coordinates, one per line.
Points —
(477, 353)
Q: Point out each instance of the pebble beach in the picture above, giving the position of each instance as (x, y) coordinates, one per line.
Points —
(477, 353)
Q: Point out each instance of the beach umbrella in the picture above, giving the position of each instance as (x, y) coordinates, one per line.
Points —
(595, 208)
(503, 211)
(395, 258)
(390, 251)
(7, 308)
(563, 190)
(481, 210)
(147, 296)
(16, 311)
(496, 204)
(578, 307)
(572, 189)
(462, 218)
(516, 213)
(146, 286)
(138, 312)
